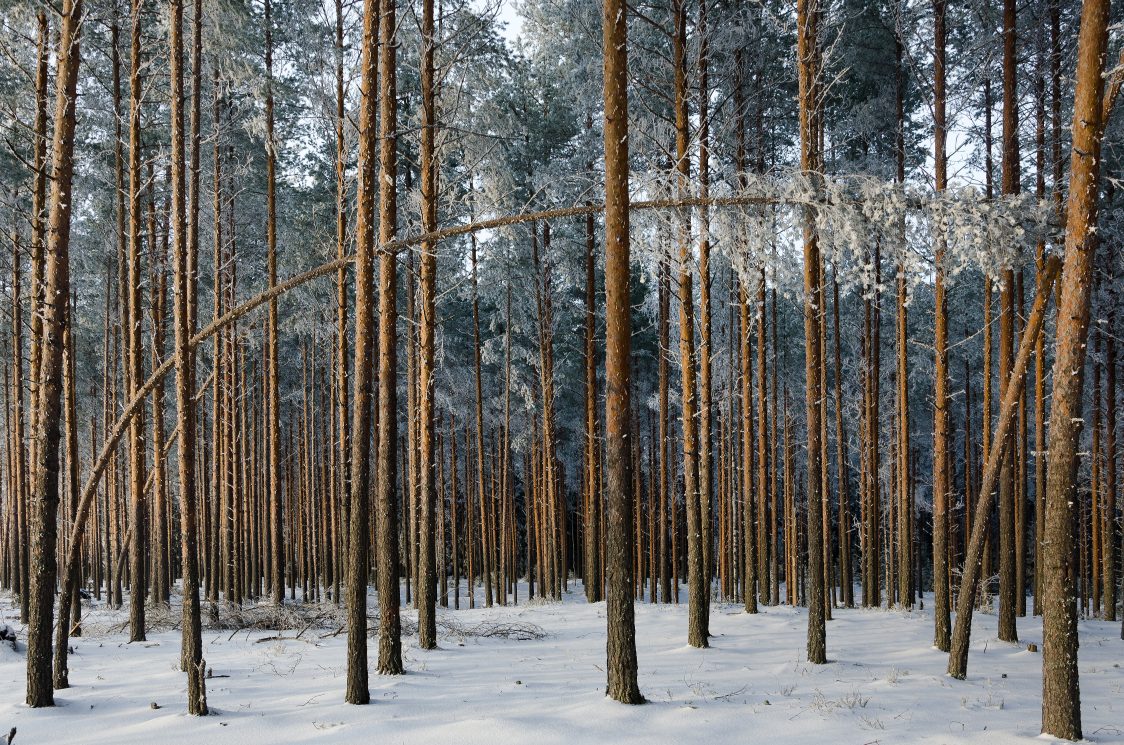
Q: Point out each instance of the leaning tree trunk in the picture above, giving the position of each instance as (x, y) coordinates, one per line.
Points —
(1012, 392)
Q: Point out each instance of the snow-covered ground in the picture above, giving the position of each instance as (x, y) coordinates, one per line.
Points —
(884, 684)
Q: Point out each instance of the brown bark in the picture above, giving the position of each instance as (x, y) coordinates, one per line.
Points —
(872, 596)
(138, 516)
(277, 541)
(192, 652)
(1010, 185)
(357, 690)
(43, 567)
(427, 620)
(621, 630)
(1061, 707)
(705, 385)
(484, 553)
(593, 495)
(808, 58)
(663, 336)
(343, 434)
(390, 641)
(941, 439)
(1012, 392)
(747, 497)
(698, 611)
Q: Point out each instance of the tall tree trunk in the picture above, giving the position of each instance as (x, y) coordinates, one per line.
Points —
(390, 626)
(1040, 346)
(357, 690)
(941, 439)
(484, 553)
(341, 384)
(698, 607)
(138, 516)
(844, 518)
(277, 541)
(705, 385)
(665, 499)
(158, 292)
(1010, 186)
(1108, 542)
(904, 505)
(747, 497)
(621, 628)
(593, 493)
(1061, 703)
(192, 652)
(427, 620)
(43, 565)
(808, 53)
(872, 313)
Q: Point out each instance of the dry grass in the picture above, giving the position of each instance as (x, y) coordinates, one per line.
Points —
(326, 618)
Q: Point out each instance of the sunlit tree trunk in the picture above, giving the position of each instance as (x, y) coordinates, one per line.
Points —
(1061, 703)
(390, 632)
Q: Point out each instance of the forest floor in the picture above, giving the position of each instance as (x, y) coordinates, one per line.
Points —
(534, 673)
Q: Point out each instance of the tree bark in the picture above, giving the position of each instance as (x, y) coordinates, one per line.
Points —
(1061, 703)
(43, 565)
(621, 629)
(941, 440)
(427, 620)
(135, 369)
(807, 21)
(357, 690)
(1012, 391)
(698, 607)
(390, 631)
(192, 651)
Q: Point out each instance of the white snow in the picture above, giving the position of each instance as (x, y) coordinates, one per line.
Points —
(884, 684)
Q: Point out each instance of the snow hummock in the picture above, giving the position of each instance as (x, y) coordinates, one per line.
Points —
(885, 683)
